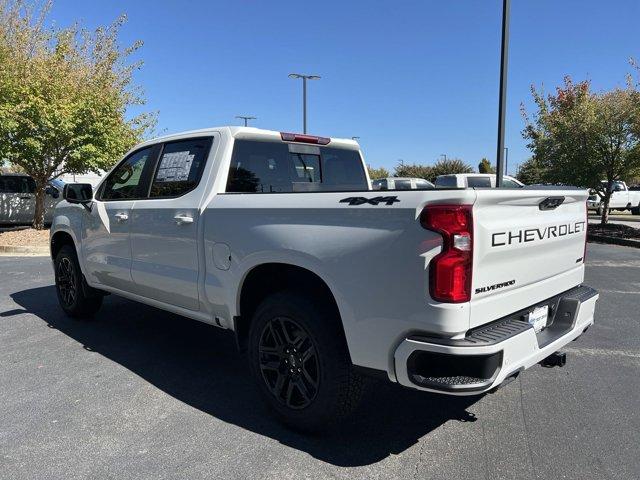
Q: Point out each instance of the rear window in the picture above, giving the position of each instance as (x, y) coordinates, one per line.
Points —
(272, 167)
(402, 184)
(379, 184)
(423, 185)
(446, 181)
(508, 183)
(479, 182)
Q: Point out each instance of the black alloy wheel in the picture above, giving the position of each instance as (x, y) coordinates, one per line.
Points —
(67, 282)
(289, 363)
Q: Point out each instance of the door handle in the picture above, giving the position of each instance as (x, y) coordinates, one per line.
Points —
(122, 217)
(183, 219)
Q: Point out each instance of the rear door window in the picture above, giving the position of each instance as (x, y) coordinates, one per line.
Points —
(17, 184)
(180, 167)
(273, 167)
(9, 185)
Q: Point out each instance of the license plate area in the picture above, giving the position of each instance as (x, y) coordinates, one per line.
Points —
(538, 318)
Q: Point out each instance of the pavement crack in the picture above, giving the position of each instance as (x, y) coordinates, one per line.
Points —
(420, 452)
(524, 423)
(486, 453)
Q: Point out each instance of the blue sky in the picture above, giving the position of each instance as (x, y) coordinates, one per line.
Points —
(413, 79)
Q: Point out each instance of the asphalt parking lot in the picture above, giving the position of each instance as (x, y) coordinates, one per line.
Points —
(140, 393)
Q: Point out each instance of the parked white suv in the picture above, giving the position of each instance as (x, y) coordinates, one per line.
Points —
(18, 198)
(278, 237)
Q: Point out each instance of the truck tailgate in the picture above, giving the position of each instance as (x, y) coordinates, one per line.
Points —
(528, 246)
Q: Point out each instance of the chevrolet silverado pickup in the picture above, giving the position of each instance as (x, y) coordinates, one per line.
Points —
(280, 238)
(622, 198)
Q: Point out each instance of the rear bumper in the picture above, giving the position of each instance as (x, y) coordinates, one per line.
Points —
(495, 352)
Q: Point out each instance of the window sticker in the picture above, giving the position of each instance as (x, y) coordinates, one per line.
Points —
(175, 167)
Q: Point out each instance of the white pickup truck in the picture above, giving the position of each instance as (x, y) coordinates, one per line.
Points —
(621, 199)
(280, 238)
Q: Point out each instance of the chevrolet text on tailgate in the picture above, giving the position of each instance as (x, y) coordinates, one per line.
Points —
(279, 238)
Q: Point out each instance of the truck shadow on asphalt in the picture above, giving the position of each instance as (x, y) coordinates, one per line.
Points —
(199, 365)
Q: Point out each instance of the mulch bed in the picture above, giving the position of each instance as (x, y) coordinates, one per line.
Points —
(614, 230)
(26, 237)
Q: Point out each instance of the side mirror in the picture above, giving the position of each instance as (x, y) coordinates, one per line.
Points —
(78, 192)
(52, 191)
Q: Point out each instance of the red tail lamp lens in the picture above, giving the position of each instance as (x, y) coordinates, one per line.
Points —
(450, 270)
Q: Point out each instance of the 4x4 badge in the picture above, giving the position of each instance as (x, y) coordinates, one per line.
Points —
(371, 201)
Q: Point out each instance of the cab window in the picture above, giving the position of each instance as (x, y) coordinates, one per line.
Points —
(402, 184)
(274, 167)
(125, 182)
(446, 181)
(480, 182)
(423, 184)
(380, 184)
(508, 183)
(180, 167)
(17, 184)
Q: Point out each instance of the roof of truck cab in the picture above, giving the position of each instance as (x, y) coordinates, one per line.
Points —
(490, 175)
(472, 175)
(247, 133)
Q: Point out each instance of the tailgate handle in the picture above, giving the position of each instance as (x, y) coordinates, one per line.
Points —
(551, 203)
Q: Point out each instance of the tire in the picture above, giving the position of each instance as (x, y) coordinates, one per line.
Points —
(76, 298)
(300, 360)
(635, 210)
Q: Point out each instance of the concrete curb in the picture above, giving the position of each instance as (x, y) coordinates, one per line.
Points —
(625, 242)
(23, 250)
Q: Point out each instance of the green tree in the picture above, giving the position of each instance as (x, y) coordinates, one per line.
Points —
(584, 138)
(531, 172)
(64, 96)
(449, 166)
(413, 171)
(485, 166)
(9, 168)
(377, 172)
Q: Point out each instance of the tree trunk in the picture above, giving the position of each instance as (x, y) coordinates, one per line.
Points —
(38, 218)
(604, 219)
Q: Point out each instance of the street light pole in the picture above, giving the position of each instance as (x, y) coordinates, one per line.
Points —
(504, 59)
(304, 104)
(444, 155)
(246, 118)
(304, 95)
(506, 160)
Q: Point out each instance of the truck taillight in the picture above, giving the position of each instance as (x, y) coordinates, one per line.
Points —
(450, 270)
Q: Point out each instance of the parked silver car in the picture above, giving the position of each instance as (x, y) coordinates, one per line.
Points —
(18, 199)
